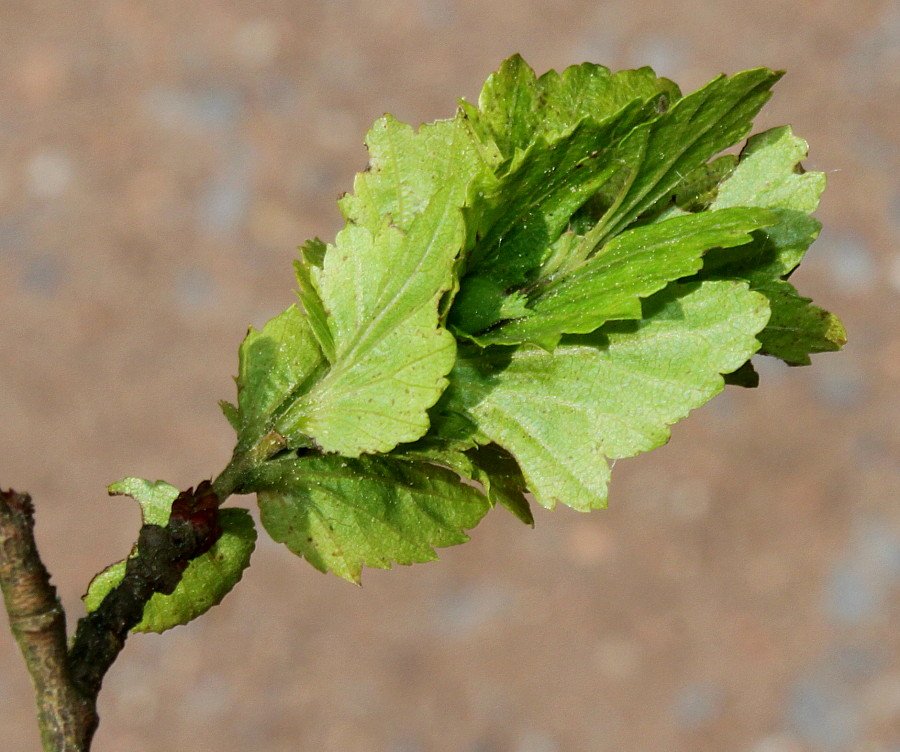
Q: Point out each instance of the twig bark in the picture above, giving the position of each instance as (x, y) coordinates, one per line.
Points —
(67, 682)
(67, 718)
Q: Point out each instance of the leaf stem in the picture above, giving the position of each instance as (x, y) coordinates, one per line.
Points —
(244, 462)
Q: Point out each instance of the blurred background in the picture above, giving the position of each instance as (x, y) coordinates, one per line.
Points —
(160, 162)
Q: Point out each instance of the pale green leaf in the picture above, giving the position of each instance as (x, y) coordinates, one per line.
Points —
(343, 514)
(769, 175)
(608, 395)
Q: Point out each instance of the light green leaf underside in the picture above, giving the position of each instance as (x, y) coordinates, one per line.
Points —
(343, 514)
(206, 580)
(632, 266)
(769, 175)
(608, 395)
(381, 293)
(373, 299)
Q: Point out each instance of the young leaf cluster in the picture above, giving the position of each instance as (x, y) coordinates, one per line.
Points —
(522, 293)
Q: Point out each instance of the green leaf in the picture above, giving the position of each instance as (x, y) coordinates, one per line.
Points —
(154, 497)
(608, 395)
(514, 219)
(373, 299)
(701, 186)
(489, 465)
(276, 363)
(633, 160)
(343, 514)
(797, 328)
(206, 580)
(311, 296)
(745, 376)
(515, 106)
(502, 479)
(407, 168)
(231, 413)
(632, 266)
(769, 174)
(585, 211)
(696, 128)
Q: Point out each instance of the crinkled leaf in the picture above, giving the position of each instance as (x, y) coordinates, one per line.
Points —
(206, 580)
(797, 328)
(611, 394)
(515, 106)
(515, 219)
(769, 175)
(343, 514)
(559, 205)
(631, 161)
(635, 264)
(311, 296)
(370, 356)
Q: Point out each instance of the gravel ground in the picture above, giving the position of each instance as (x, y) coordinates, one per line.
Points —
(159, 162)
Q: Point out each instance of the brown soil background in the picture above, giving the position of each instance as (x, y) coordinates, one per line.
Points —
(160, 161)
